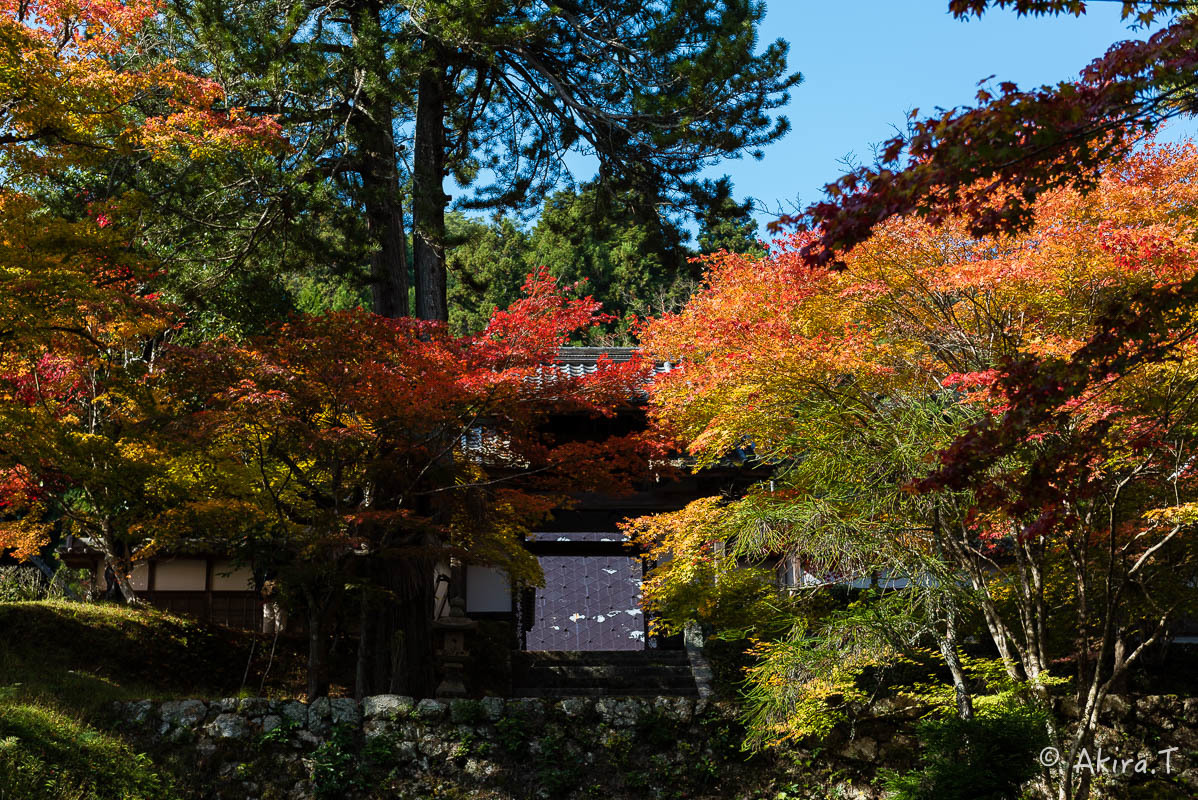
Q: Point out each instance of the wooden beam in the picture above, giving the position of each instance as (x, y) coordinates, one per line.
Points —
(208, 565)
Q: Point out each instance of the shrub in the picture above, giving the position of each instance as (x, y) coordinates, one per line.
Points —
(986, 758)
(20, 584)
(335, 764)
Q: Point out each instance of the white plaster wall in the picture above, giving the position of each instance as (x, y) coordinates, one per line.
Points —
(487, 590)
(229, 578)
(140, 577)
(179, 575)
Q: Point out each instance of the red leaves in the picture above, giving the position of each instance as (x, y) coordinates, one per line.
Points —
(971, 380)
(989, 164)
(365, 428)
(1071, 348)
(54, 379)
(18, 489)
(528, 334)
(1150, 251)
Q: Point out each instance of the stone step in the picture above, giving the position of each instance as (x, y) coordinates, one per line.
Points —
(615, 687)
(607, 669)
(590, 668)
(604, 656)
(602, 673)
(590, 691)
(563, 675)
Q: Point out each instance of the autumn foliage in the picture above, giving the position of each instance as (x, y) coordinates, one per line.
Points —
(79, 326)
(891, 398)
(72, 96)
(352, 431)
(970, 376)
(986, 165)
(339, 452)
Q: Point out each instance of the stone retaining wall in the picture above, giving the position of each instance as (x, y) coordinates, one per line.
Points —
(612, 748)
(500, 749)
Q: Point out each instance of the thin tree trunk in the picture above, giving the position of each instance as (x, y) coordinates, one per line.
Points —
(948, 642)
(429, 199)
(1037, 606)
(120, 570)
(1000, 632)
(120, 565)
(1001, 635)
(274, 642)
(388, 648)
(363, 683)
(948, 648)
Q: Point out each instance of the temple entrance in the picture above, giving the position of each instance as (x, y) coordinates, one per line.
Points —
(590, 602)
(591, 599)
(583, 633)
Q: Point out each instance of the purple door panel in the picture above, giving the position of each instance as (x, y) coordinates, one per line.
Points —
(588, 603)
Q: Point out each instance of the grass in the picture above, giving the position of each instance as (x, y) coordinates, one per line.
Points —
(63, 664)
(48, 754)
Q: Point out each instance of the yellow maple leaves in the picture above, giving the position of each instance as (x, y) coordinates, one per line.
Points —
(916, 305)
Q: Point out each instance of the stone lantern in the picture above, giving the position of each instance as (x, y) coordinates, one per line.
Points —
(454, 654)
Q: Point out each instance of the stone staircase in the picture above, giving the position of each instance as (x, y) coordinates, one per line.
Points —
(600, 673)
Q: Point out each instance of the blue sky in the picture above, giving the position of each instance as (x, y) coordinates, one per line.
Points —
(866, 63)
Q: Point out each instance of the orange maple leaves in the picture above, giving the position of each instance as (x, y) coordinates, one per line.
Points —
(919, 305)
(72, 95)
(79, 328)
(21, 528)
(348, 425)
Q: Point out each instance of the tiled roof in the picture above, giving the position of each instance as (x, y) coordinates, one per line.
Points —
(589, 355)
(577, 536)
(579, 361)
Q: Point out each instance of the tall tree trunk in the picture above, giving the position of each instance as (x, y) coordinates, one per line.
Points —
(395, 648)
(429, 202)
(318, 680)
(384, 222)
(419, 673)
(379, 625)
(429, 199)
(372, 127)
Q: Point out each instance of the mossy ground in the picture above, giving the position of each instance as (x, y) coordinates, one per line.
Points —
(62, 665)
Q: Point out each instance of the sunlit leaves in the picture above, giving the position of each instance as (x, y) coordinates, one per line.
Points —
(354, 433)
(987, 165)
(80, 402)
(957, 411)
